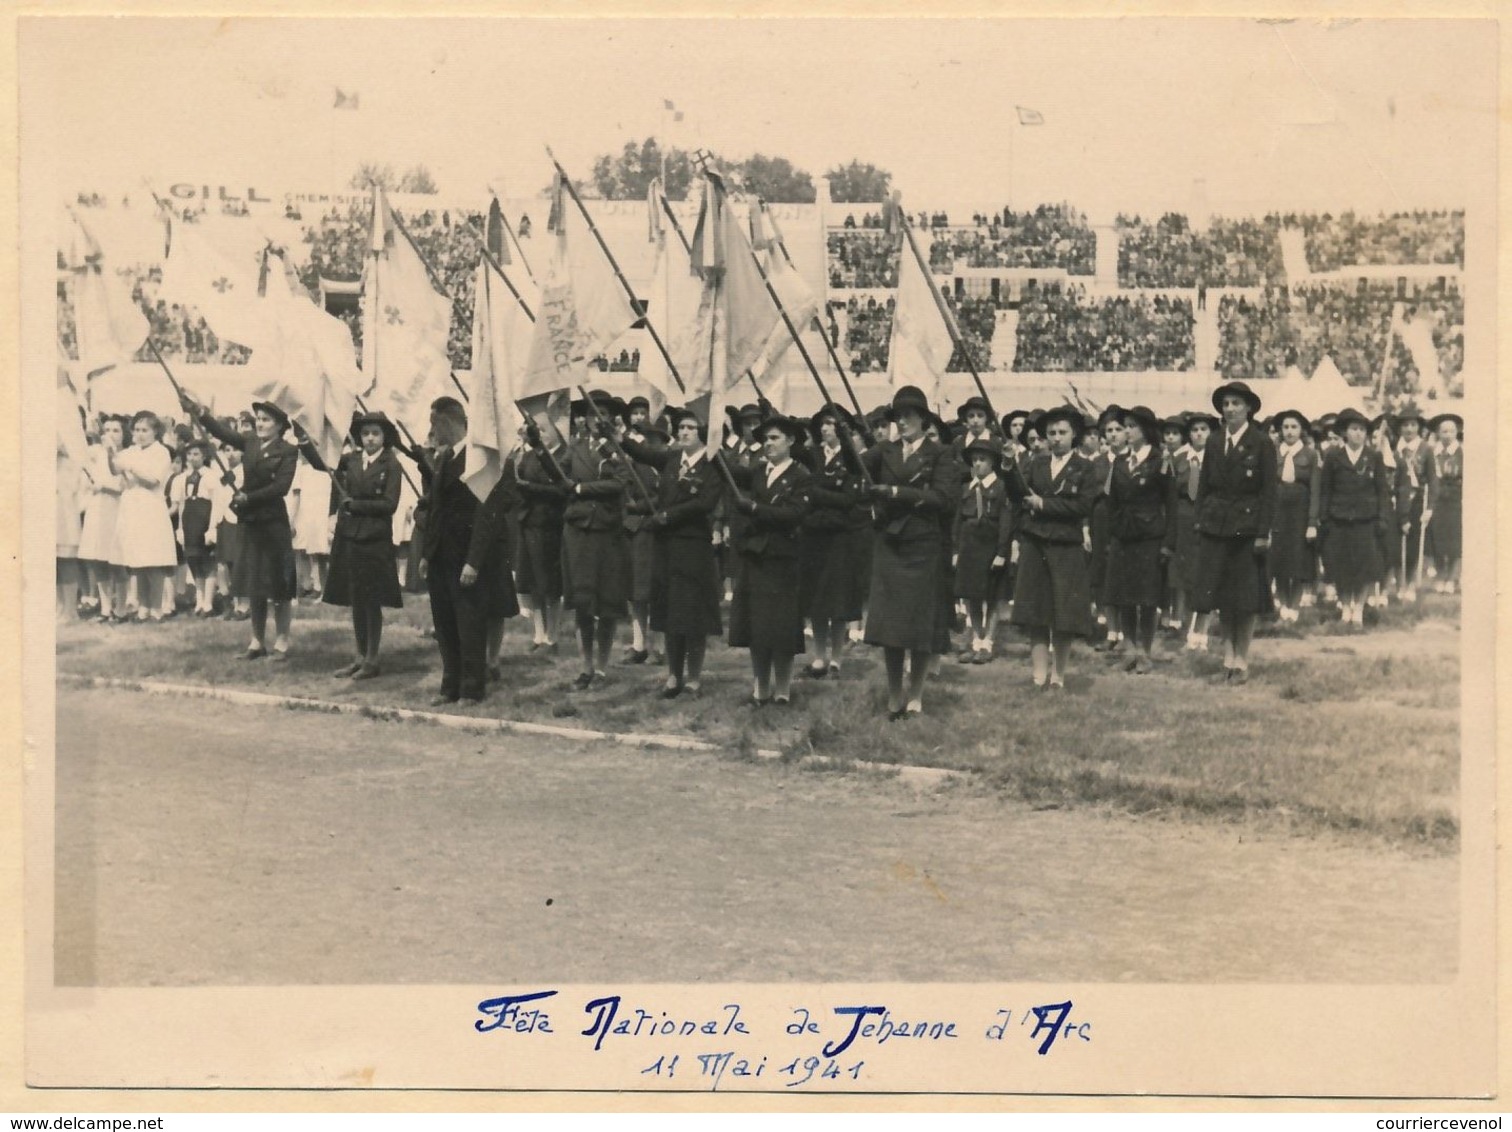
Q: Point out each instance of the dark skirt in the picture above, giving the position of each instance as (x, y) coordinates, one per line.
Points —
(1446, 528)
(1231, 577)
(1052, 590)
(642, 557)
(1291, 560)
(767, 612)
(1097, 568)
(539, 572)
(1352, 553)
(1184, 565)
(829, 585)
(1136, 574)
(412, 551)
(227, 543)
(365, 573)
(975, 578)
(685, 587)
(861, 540)
(904, 606)
(195, 523)
(265, 562)
(596, 571)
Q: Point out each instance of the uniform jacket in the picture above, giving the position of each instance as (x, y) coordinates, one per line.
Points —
(451, 532)
(1142, 500)
(1182, 462)
(835, 497)
(1067, 497)
(596, 501)
(996, 515)
(1236, 496)
(1307, 466)
(1448, 475)
(1415, 473)
(1355, 493)
(928, 484)
(685, 502)
(772, 530)
(367, 515)
(544, 496)
(267, 473)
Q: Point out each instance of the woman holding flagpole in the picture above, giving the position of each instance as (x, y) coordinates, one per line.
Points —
(264, 571)
(915, 483)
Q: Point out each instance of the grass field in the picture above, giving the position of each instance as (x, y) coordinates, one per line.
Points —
(1355, 734)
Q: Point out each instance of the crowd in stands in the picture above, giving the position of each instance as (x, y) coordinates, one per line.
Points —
(1169, 253)
(1402, 237)
(1060, 329)
(1051, 236)
(864, 259)
(868, 329)
(1351, 324)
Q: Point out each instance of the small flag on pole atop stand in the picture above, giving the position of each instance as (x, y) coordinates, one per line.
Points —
(1028, 117)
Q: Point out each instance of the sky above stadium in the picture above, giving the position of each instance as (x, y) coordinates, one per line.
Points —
(1139, 115)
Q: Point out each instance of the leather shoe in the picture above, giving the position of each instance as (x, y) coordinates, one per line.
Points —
(1240, 676)
(348, 669)
(254, 653)
(366, 672)
(442, 700)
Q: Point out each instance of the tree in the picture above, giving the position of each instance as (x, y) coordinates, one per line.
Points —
(415, 179)
(858, 183)
(775, 179)
(628, 174)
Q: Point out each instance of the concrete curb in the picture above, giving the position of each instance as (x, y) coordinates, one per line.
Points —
(918, 776)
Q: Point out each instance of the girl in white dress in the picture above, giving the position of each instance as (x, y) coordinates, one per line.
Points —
(70, 527)
(144, 542)
(310, 503)
(102, 487)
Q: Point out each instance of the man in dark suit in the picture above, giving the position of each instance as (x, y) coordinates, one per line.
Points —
(452, 556)
(1236, 503)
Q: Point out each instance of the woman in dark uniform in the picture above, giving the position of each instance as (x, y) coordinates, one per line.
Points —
(639, 503)
(194, 533)
(1110, 424)
(1236, 504)
(829, 578)
(685, 584)
(914, 484)
(364, 574)
(983, 544)
(1142, 535)
(1354, 505)
(1187, 469)
(767, 613)
(1446, 495)
(264, 572)
(1052, 596)
(1292, 562)
(538, 574)
(595, 547)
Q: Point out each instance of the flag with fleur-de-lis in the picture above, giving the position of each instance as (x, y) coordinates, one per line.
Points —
(224, 286)
(406, 325)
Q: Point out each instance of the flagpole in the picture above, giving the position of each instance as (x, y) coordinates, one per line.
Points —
(950, 322)
(614, 446)
(635, 303)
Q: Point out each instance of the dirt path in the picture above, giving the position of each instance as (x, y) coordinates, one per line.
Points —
(201, 843)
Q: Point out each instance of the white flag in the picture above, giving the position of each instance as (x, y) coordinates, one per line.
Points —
(223, 287)
(406, 324)
(921, 345)
(583, 307)
(109, 326)
(502, 333)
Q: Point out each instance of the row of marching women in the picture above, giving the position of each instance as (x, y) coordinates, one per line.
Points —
(789, 537)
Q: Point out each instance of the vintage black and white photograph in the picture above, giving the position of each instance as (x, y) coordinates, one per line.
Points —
(791, 503)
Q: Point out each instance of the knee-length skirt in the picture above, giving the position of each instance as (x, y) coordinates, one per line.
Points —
(1446, 528)
(1291, 559)
(1052, 590)
(642, 557)
(685, 587)
(904, 608)
(264, 562)
(1352, 553)
(766, 612)
(1097, 566)
(97, 535)
(1231, 577)
(974, 577)
(596, 571)
(539, 573)
(227, 544)
(1184, 564)
(1136, 573)
(143, 531)
(364, 572)
(829, 585)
